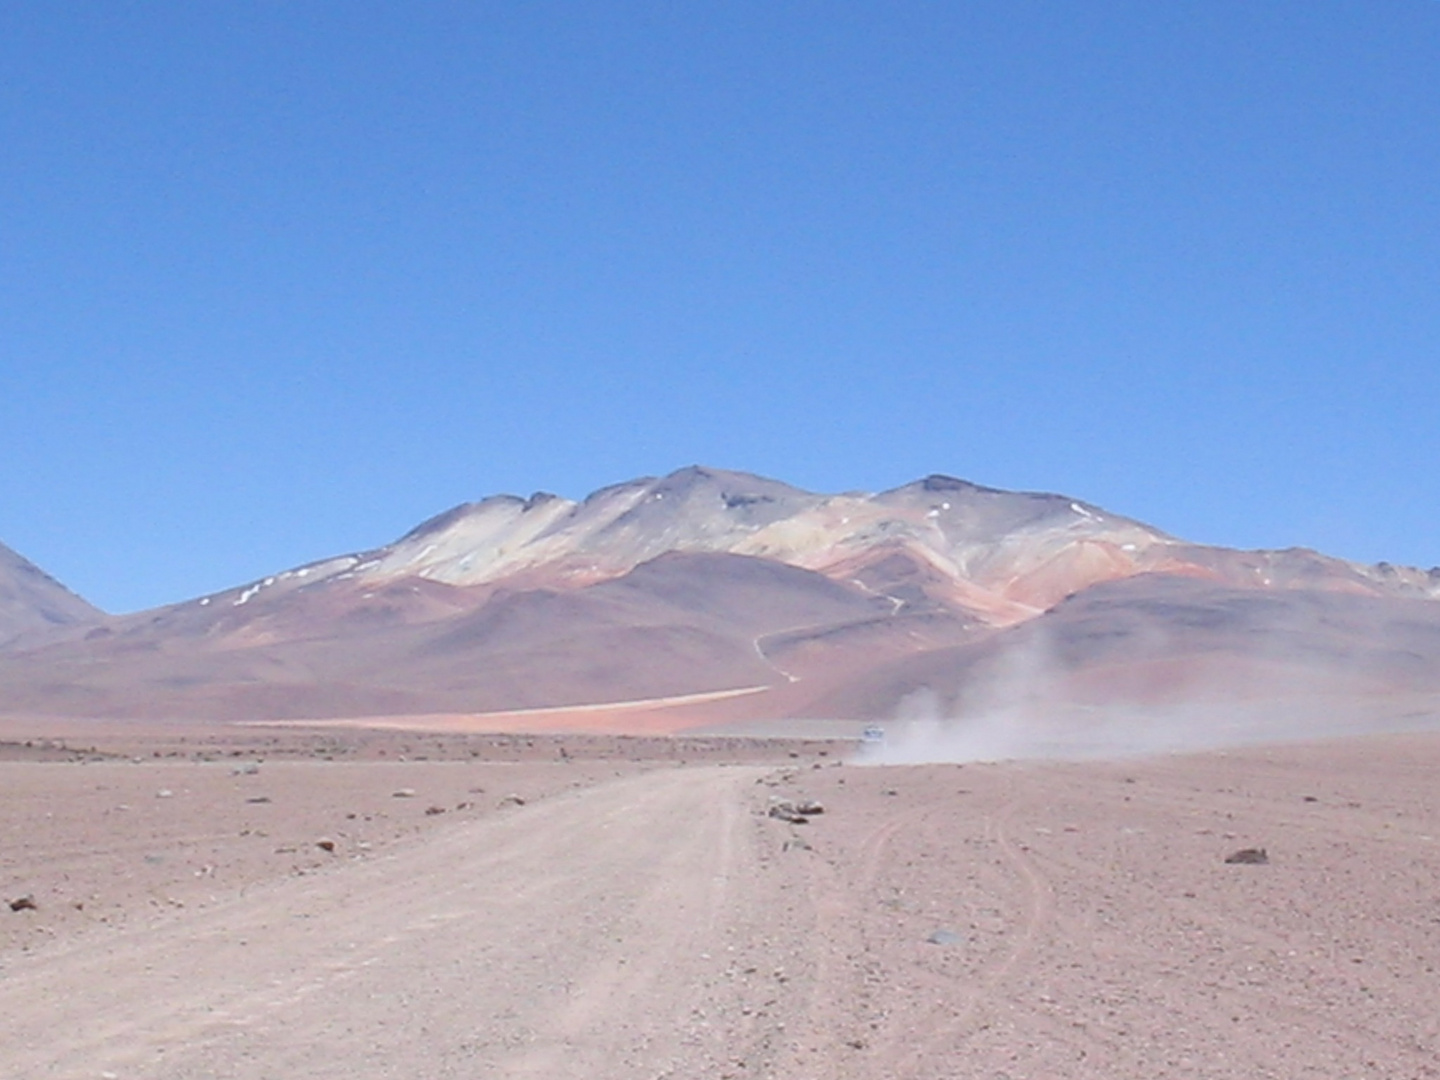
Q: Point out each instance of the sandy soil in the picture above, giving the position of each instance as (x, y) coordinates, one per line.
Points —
(633, 916)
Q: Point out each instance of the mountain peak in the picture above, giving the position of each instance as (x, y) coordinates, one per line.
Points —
(31, 601)
(703, 478)
(939, 482)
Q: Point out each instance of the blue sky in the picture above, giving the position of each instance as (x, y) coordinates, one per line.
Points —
(280, 280)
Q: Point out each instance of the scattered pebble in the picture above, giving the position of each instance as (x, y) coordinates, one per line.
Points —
(1250, 856)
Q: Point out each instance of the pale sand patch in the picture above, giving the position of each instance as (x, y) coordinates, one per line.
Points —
(644, 716)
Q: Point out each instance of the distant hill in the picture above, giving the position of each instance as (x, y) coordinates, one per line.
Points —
(33, 603)
(774, 601)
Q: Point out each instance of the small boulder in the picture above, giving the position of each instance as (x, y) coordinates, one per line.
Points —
(1250, 856)
(796, 813)
(24, 903)
(785, 811)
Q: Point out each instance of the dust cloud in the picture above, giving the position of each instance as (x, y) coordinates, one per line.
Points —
(1028, 707)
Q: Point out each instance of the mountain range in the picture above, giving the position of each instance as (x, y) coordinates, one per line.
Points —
(706, 598)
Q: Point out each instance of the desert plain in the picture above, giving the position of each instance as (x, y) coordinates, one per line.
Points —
(242, 903)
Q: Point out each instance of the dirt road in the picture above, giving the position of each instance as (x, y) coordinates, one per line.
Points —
(622, 930)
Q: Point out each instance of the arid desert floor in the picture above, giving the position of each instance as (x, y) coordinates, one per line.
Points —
(252, 905)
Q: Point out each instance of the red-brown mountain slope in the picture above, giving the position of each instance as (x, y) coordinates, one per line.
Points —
(708, 582)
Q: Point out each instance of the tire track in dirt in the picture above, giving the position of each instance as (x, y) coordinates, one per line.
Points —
(843, 1013)
(912, 999)
(1202, 949)
(944, 1026)
(1217, 1004)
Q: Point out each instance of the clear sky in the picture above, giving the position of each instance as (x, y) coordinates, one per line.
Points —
(279, 280)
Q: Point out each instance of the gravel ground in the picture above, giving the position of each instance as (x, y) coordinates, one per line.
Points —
(612, 912)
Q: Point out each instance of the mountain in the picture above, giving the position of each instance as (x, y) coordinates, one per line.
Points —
(33, 603)
(1002, 557)
(727, 597)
